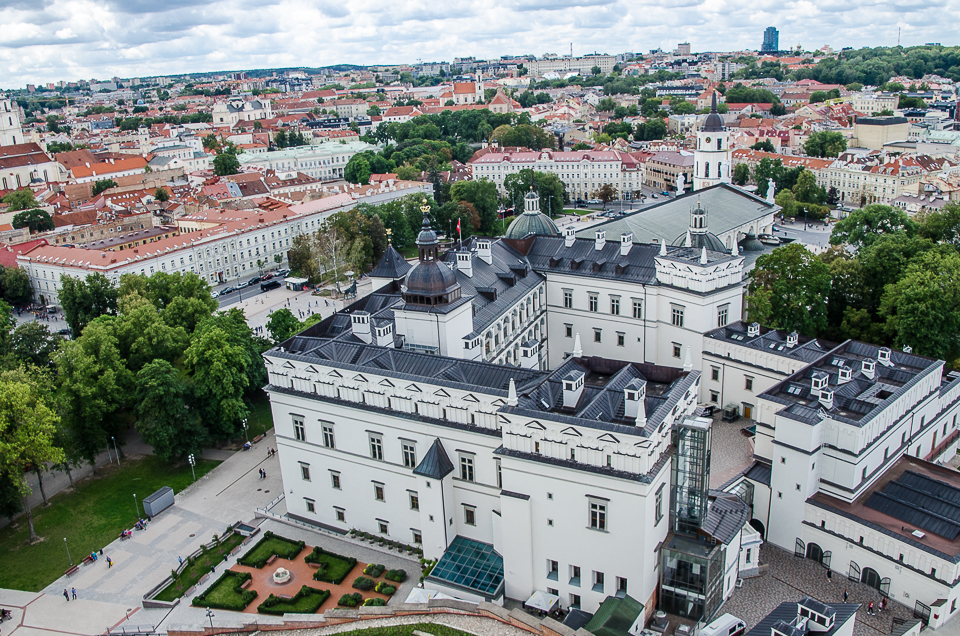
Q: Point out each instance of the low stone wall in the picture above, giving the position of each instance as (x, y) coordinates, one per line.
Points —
(370, 617)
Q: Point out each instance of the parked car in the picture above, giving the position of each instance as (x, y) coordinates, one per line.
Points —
(253, 281)
(273, 284)
(227, 290)
(266, 277)
(282, 272)
(665, 193)
(243, 285)
(214, 294)
(594, 201)
(654, 195)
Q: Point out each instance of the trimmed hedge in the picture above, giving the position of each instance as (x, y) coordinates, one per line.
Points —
(350, 600)
(406, 630)
(374, 570)
(385, 588)
(374, 602)
(226, 593)
(307, 601)
(398, 576)
(333, 567)
(271, 544)
(363, 583)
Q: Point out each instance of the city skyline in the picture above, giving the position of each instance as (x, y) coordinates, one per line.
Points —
(83, 40)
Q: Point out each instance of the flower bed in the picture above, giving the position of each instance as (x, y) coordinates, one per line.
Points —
(307, 601)
(271, 545)
(198, 566)
(333, 567)
(227, 593)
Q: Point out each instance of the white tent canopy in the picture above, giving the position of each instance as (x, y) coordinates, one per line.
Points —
(542, 601)
(420, 595)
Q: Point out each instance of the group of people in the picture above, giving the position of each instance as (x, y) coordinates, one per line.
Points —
(263, 474)
(873, 609)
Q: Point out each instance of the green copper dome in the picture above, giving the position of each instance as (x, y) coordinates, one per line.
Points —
(532, 221)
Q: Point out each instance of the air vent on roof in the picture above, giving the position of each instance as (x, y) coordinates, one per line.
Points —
(918, 534)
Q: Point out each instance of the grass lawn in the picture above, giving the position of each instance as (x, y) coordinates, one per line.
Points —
(90, 517)
(269, 545)
(337, 568)
(197, 568)
(260, 420)
(224, 593)
(307, 601)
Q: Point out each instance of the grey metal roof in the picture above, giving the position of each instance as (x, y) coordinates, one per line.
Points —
(435, 463)
(759, 473)
(726, 517)
(728, 207)
(391, 265)
(787, 612)
(920, 501)
(772, 341)
(531, 223)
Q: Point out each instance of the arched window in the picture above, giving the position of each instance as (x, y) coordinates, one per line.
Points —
(706, 170)
(719, 144)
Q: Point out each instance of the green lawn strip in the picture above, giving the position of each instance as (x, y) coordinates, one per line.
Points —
(406, 630)
(89, 518)
(271, 544)
(260, 419)
(197, 567)
(307, 601)
(334, 568)
(226, 593)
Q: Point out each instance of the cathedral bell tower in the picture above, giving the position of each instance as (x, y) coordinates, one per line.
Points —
(711, 159)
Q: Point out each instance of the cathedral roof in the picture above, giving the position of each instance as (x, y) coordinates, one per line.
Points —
(532, 223)
(391, 265)
(713, 122)
(701, 239)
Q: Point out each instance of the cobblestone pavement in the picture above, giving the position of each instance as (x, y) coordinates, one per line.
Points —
(731, 451)
(786, 578)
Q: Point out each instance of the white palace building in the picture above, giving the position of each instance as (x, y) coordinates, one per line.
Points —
(527, 410)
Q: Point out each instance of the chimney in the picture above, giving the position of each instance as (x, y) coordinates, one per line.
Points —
(360, 322)
(570, 237)
(869, 368)
(633, 401)
(907, 349)
(512, 394)
(465, 263)
(703, 255)
(601, 240)
(883, 355)
(826, 398)
(663, 247)
(577, 349)
(572, 388)
(792, 339)
(626, 242)
(753, 329)
(483, 251)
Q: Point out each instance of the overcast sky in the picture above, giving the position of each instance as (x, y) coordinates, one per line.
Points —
(48, 40)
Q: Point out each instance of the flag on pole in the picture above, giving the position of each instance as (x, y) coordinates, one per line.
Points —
(459, 231)
(458, 225)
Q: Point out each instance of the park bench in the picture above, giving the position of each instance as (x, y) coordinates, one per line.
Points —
(88, 559)
(258, 438)
(272, 558)
(73, 570)
(246, 584)
(285, 597)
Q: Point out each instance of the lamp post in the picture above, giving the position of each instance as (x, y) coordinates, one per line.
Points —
(193, 463)
(136, 506)
(69, 558)
(210, 615)
(245, 434)
(551, 206)
(114, 439)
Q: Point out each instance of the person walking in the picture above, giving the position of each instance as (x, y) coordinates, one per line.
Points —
(66, 595)
(845, 595)
(870, 608)
(109, 563)
(180, 558)
(73, 592)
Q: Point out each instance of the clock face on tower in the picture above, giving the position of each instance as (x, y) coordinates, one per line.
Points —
(707, 140)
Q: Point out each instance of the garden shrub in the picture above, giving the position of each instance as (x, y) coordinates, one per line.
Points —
(350, 600)
(398, 576)
(385, 588)
(363, 583)
(307, 601)
(374, 602)
(271, 544)
(226, 593)
(334, 568)
(374, 570)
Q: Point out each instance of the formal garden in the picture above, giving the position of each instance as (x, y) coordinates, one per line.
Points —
(196, 567)
(287, 577)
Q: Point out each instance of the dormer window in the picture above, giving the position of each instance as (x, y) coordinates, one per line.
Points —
(792, 339)
(845, 374)
(883, 355)
(753, 330)
(818, 382)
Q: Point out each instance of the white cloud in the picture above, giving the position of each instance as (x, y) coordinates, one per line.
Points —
(48, 40)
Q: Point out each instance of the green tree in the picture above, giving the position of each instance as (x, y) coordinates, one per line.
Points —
(27, 429)
(684, 108)
(83, 300)
(741, 174)
(606, 105)
(103, 184)
(37, 220)
(595, 70)
(15, 283)
(282, 325)
(764, 144)
(143, 335)
(607, 193)
(20, 200)
(217, 365)
(788, 290)
(864, 226)
(817, 97)
(301, 256)
(357, 170)
(161, 195)
(226, 163)
(942, 226)
(923, 308)
(825, 143)
(806, 189)
(482, 195)
(166, 421)
(32, 343)
(373, 111)
(552, 191)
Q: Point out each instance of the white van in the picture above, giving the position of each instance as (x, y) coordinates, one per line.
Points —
(726, 625)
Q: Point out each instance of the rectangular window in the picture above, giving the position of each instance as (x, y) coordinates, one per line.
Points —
(621, 586)
(637, 309)
(376, 447)
(722, 314)
(749, 555)
(568, 331)
(414, 500)
(341, 514)
(378, 492)
(574, 601)
(615, 305)
(417, 537)
(715, 374)
(658, 507)
(676, 315)
(598, 582)
(299, 432)
(328, 440)
(621, 338)
(311, 507)
(466, 468)
(575, 575)
(594, 301)
(305, 472)
(748, 383)
(568, 299)
(470, 515)
(553, 570)
(676, 350)
(596, 335)
(499, 474)
(409, 455)
(598, 515)
(335, 479)
(714, 397)
(382, 527)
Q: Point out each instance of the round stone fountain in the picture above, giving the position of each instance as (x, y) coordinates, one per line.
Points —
(281, 576)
